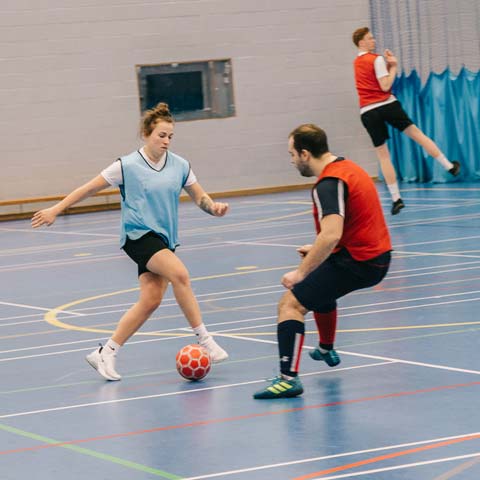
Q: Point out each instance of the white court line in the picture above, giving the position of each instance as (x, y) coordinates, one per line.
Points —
(363, 355)
(441, 254)
(16, 324)
(408, 362)
(15, 317)
(54, 262)
(441, 189)
(172, 394)
(356, 314)
(254, 319)
(37, 347)
(398, 467)
(433, 267)
(61, 263)
(185, 334)
(167, 300)
(431, 242)
(31, 307)
(78, 349)
(413, 299)
(390, 277)
(329, 457)
(231, 330)
(108, 257)
(262, 244)
(53, 232)
(460, 206)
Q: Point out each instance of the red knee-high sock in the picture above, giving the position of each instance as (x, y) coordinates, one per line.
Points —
(327, 327)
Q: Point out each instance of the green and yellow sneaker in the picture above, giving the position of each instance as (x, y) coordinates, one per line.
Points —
(280, 388)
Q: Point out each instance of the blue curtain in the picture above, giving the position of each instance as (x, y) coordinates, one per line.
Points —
(446, 109)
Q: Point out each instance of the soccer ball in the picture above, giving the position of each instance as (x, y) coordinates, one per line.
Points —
(193, 362)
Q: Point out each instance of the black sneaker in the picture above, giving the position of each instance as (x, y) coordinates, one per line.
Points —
(455, 170)
(397, 206)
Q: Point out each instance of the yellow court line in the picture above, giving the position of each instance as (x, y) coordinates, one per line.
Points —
(51, 315)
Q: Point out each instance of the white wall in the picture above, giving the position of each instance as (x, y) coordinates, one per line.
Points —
(69, 93)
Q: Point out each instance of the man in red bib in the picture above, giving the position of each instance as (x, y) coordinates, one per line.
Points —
(351, 251)
(374, 77)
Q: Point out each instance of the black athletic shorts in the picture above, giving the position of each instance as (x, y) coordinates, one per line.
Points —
(143, 249)
(338, 275)
(375, 121)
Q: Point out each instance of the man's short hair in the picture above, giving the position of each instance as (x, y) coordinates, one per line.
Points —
(311, 138)
(358, 34)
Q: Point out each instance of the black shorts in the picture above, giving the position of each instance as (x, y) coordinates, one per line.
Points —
(375, 121)
(143, 249)
(338, 275)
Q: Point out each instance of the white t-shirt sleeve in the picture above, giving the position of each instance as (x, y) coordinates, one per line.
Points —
(380, 66)
(113, 174)
(191, 179)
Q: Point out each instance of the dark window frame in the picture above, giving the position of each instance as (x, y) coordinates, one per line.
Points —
(216, 87)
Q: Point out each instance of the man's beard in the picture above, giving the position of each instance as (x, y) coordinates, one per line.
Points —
(305, 170)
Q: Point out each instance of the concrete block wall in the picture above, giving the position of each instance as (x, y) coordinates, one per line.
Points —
(69, 93)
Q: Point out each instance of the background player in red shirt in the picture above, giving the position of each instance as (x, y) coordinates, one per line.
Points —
(374, 77)
(351, 251)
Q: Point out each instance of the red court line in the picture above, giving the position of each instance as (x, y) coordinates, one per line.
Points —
(342, 468)
(242, 417)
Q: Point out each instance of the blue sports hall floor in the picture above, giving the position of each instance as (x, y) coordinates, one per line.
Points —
(403, 404)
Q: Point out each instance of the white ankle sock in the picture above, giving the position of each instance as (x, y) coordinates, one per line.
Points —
(444, 161)
(201, 332)
(394, 191)
(111, 348)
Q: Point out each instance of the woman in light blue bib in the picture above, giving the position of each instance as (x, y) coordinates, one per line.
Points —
(150, 182)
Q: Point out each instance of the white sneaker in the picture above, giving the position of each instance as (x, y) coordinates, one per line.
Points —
(103, 364)
(217, 353)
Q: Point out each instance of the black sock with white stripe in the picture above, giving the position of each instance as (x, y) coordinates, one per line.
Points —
(290, 342)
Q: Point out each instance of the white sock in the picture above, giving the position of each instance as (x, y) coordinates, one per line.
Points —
(394, 191)
(444, 161)
(201, 332)
(111, 348)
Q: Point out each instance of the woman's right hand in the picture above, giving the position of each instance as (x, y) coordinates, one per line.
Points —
(44, 217)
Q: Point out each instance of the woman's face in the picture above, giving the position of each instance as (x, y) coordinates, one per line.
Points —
(158, 141)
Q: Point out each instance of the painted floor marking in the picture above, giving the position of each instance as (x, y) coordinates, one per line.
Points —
(91, 453)
(327, 457)
(32, 307)
(248, 416)
(374, 357)
(322, 473)
(173, 394)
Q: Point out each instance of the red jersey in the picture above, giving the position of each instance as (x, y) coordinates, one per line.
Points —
(365, 233)
(366, 81)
